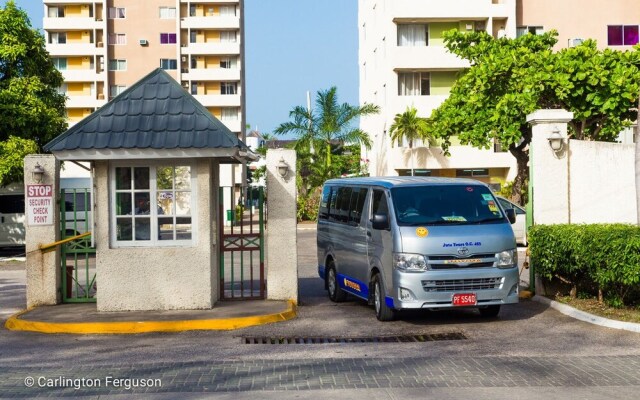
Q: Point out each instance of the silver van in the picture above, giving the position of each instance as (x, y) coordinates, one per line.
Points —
(416, 243)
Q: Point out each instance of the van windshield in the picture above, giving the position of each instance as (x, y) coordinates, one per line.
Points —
(445, 205)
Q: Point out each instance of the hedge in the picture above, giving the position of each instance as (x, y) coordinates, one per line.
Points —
(593, 258)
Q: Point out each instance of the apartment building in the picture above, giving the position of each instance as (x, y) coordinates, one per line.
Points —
(403, 63)
(104, 46)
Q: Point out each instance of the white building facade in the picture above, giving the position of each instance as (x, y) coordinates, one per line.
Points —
(403, 63)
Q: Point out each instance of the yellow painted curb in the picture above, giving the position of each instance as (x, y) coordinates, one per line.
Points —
(15, 323)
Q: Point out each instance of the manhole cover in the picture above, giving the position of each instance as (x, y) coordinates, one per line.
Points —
(335, 339)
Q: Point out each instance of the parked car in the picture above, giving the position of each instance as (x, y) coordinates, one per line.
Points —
(520, 227)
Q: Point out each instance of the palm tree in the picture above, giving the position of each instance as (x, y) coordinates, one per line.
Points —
(638, 162)
(410, 127)
(328, 124)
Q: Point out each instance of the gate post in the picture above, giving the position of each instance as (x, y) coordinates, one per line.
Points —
(282, 255)
(43, 272)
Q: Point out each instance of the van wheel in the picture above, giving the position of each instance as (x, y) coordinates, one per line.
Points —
(489, 311)
(383, 312)
(336, 294)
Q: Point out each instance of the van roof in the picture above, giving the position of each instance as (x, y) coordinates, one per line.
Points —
(396, 181)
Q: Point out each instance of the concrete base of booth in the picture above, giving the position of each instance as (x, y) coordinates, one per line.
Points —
(85, 319)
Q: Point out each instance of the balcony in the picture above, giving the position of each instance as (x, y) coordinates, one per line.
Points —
(234, 126)
(212, 48)
(73, 49)
(424, 104)
(211, 74)
(70, 23)
(85, 101)
(83, 75)
(412, 10)
(425, 57)
(219, 100)
(214, 22)
(210, 1)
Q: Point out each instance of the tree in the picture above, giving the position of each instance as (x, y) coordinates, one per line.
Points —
(510, 78)
(329, 125)
(410, 127)
(637, 141)
(31, 109)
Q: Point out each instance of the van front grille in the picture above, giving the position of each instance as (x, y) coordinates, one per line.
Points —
(457, 285)
(453, 262)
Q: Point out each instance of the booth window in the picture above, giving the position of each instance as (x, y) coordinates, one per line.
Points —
(153, 205)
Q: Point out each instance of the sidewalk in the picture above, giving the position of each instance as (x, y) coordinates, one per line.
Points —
(83, 318)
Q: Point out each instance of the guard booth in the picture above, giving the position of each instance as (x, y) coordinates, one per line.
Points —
(155, 154)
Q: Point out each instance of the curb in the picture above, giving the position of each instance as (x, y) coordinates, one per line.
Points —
(586, 317)
(14, 323)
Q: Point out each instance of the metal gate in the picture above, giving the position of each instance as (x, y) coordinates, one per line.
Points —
(77, 257)
(241, 229)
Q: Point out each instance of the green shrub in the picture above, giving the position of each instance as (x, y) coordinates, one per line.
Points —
(308, 206)
(592, 258)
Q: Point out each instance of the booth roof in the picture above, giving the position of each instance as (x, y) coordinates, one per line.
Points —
(156, 113)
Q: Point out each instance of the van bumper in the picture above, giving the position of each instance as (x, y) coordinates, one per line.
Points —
(435, 289)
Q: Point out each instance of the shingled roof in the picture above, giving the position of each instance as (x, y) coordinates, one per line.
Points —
(154, 117)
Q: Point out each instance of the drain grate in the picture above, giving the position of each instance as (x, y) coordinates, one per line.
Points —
(374, 339)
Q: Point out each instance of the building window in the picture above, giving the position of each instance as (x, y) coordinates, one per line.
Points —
(194, 88)
(168, 63)
(622, 35)
(192, 10)
(414, 84)
(229, 63)
(413, 35)
(534, 30)
(193, 37)
(229, 114)
(116, 13)
(228, 36)
(117, 65)
(117, 38)
(167, 12)
(58, 37)
(115, 90)
(228, 87)
(60, 63)
(228, 11)
(56, 12)
(167, 38)
(484, 172)
(153, 205)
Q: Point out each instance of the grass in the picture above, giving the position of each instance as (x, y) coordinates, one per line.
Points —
(591, 305)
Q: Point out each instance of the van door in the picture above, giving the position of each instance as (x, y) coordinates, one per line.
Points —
(356, 244)
(380, 242)
(12, 220)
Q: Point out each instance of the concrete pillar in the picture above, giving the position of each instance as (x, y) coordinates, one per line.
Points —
(549, 170)
(43, 269)
(282, 263)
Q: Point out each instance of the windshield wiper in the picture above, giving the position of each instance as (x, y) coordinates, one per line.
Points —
(480, 221)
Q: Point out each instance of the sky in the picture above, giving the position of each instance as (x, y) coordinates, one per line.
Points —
(292, 46)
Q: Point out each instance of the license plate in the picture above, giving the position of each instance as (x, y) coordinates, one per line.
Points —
(464, 299)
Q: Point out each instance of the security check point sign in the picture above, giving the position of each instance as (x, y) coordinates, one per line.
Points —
(39, 204)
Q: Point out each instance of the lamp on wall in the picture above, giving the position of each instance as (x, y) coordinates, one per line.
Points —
(556, 141)
(37, 173)
(283, 168)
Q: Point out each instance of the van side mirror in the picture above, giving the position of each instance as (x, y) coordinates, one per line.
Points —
(380, 222)
(511, 215)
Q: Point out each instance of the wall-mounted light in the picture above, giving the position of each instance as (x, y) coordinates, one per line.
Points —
(556, 141)
(283, 168)
(37, 173)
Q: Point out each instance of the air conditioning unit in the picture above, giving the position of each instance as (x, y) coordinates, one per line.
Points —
(143, 42)
(100, 96)
(185, 85)
(184, 59)
(575, 42)
(469, 27)
(99, 44)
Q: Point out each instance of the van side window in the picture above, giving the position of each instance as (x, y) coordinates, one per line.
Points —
(12, 204)
(357, 205)
(323, 212)
(333, 212)
(344, 199)
(379, 202)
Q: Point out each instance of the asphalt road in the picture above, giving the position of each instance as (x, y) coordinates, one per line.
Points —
(528, 351)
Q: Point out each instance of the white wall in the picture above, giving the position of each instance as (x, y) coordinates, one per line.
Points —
(602, 182)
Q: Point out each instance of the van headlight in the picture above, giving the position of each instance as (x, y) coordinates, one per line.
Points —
(507, 259)
(409, 262)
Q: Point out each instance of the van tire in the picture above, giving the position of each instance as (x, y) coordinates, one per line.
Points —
(336, 294)
(489, 311)
(383, 312)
